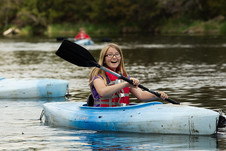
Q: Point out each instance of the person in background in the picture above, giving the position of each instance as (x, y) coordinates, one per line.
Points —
(82, 35)
(109, 91)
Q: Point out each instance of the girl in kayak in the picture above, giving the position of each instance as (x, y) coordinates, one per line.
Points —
(109, 91)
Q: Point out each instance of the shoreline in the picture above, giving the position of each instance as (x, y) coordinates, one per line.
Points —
(215, 26)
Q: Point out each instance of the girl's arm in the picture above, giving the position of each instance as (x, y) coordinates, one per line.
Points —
(144, 95)
(104, 90)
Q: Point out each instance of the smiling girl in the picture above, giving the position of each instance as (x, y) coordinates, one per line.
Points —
(109, 91)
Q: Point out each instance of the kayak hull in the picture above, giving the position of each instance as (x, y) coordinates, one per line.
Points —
(32, 88)
(153, 117)
(84, 42)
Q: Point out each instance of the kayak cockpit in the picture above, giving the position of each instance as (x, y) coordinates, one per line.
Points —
(90, 103)
(130, 106)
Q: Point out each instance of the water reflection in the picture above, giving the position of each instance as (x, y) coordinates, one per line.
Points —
(196, 75)
(124, 141)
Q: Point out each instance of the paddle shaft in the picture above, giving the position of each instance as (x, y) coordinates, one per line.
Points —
(131, 82)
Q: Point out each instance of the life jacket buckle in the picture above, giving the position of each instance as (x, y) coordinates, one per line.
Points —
(123, 104)
(117, 81)
(121, 95)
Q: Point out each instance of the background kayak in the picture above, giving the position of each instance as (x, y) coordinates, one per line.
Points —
(153, 117)
(32, 88)
(84, 42)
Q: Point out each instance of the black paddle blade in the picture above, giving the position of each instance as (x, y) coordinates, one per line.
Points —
(76, 54)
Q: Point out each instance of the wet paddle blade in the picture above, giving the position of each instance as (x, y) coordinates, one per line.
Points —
(76, 54)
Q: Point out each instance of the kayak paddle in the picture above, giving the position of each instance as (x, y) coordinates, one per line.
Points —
(80, 56)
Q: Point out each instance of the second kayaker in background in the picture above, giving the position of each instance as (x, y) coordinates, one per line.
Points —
(109, 91)
(82, 35)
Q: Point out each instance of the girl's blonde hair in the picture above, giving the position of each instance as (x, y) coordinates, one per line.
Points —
(96, 72)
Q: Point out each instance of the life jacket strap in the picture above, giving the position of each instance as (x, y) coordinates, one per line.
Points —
(110, 103)
(120, 95)
(117, 81)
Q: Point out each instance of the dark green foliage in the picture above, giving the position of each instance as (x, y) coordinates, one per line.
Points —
(138, 15)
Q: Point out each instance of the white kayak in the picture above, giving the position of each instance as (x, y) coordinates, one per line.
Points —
(84, 42)
(32, 88)
(152, 117)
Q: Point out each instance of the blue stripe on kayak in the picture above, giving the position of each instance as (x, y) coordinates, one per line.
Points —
(84, 42)
(2, 78)
(132, 106)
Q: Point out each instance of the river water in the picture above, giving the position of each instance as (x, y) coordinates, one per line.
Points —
(190, 69)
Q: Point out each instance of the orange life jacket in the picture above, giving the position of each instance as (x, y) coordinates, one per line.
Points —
(120, 98)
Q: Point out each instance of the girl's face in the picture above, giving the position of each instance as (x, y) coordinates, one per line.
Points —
(112, 58)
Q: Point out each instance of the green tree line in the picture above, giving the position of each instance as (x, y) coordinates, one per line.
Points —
(124, 15)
